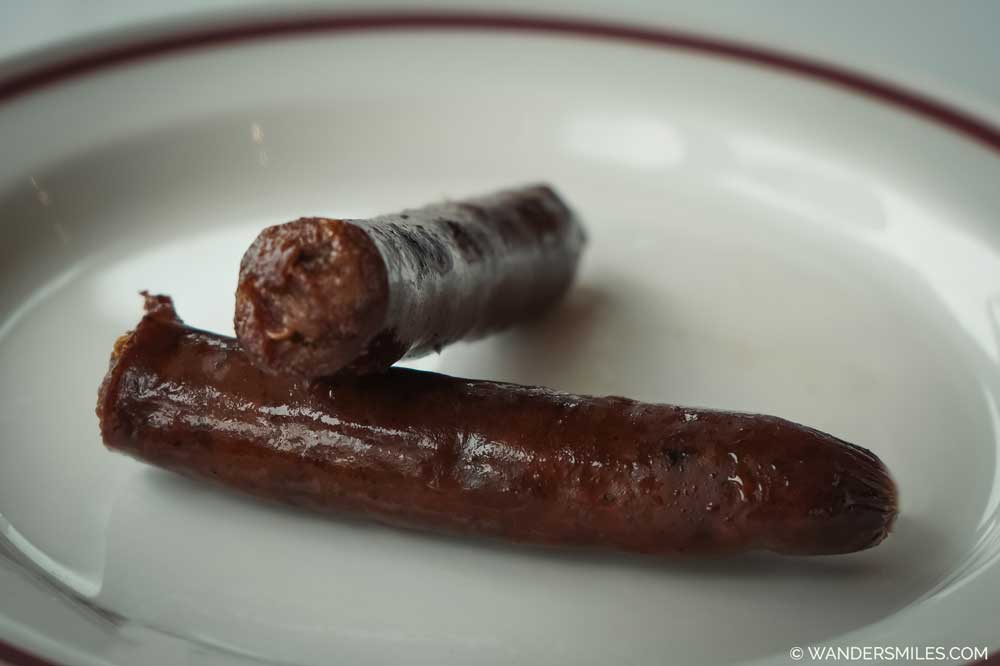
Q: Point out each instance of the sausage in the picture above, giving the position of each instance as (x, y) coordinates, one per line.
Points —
(424, 450)
(316, 296)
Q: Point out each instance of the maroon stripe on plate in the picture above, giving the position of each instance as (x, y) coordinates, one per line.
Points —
(12, 656)
(910, 101)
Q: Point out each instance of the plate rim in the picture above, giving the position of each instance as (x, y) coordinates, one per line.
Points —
(84, 59)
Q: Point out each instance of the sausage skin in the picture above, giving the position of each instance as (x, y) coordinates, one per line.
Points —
(527, 464)
(316, 296)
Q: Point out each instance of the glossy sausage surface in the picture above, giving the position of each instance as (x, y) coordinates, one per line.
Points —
(527, 464)
(317, 295)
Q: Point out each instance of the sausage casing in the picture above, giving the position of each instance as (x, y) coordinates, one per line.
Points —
(527, 464)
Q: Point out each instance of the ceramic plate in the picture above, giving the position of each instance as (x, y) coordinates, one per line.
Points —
(766, 235)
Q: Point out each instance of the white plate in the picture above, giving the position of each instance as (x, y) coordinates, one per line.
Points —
(759, 241)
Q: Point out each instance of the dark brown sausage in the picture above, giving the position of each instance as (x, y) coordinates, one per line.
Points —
(316, 296)
(425, 450)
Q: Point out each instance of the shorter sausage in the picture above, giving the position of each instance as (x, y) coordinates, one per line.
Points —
(317, 295)
(527, 464)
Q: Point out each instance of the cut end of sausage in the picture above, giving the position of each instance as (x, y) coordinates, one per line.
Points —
(105, 415)
(159, 309)
(312, 293)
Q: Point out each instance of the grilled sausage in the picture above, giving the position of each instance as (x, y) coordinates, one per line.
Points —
(527, 464)
(316, 296)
